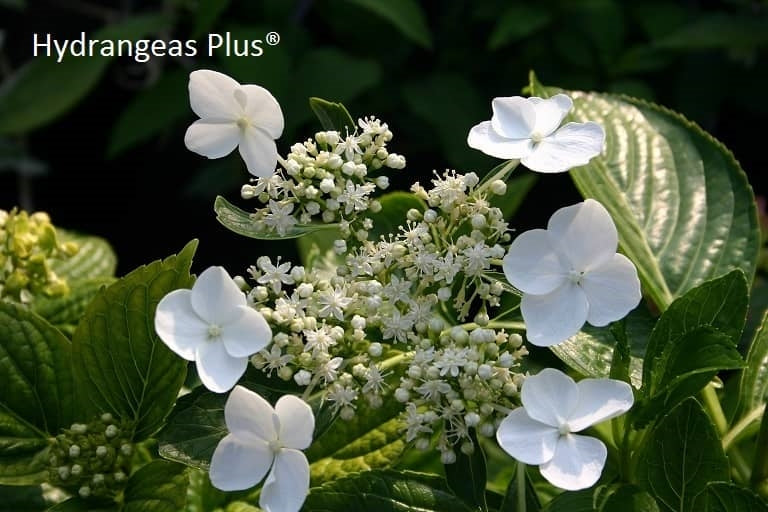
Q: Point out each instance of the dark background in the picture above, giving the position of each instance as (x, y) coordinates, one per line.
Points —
(103, 152)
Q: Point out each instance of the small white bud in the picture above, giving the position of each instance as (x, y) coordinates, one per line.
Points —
(472, 419)
(498, 187)
(448, 457)
(84, 491)
(467, 448)
(382, 182)
(347, 413)
(402, 395)
(484, 371)
(101, 451)
(444, 293)
(339, 246)
(74, 451)
(111, 431)
(478, 221)
(302, 377)
(430, 216)
(375, 349)
(77, 469)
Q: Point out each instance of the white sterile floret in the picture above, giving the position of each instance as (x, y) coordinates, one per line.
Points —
(541, 432)
(529, 129)
(232, 116)
(570, 273)
(264, 439)
(212, 325)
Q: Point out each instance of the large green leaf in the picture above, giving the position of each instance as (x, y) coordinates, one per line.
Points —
(683, 207)
(681, 455)
(373, 439)
(725, 497)
(625, 498)
(124, 368)
(95, 259)
(37, 393)
(22, 499)
(576, 501)
(467, 477)
(385, 491)
(754, 379)
(29, 100)
(406, 15)
(160, 486)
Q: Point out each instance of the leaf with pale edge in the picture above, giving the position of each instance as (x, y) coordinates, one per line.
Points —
(681, 456)
(239, 221)
(159, 486)
(754, 379)
(725, 497)
(37, 392)
(682, 204)
(95, 258)
(333, 116)
(123, 366)
(385, 491)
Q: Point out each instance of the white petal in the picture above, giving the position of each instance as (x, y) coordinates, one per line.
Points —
(572, 145)
(178, 325)
(263, 110)
(247, 334)
(549, 397)
(577, 464)
(532, 265)
(287, 485)
(514, 117)
(216, 297)
(297, 422)
(585, 233)
(213, 139)
(550, 112)
(554, 317)
(482, 137)
(218, 370)
(211, 95)
(612, 290)
(249, 416)
(600, 400)
(238, 465)
(259, 152)
(525, 439)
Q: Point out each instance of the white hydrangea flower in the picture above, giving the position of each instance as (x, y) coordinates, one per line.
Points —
(232, 116)
(570, 273)
(212, 325)
(264, 439)
(541, 432)
(529, 129)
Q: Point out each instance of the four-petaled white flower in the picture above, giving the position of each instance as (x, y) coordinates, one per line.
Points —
(263, 439)
(570, 273)
(541, 432)
(233, 116)
(527, 129)
(212, 325)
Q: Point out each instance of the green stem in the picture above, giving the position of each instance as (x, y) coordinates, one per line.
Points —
(712, 405)
(515, 326)
(521, 506)
(759, 478)
(744, 423)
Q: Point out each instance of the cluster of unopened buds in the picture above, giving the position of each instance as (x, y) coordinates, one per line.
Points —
(28, 246)
(392, 316)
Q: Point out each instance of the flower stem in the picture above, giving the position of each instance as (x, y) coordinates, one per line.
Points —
(738, 429)
(521, 507)
(712, 405)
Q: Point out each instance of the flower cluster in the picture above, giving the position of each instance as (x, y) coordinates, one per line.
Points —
(92, 459)
(28, 246)
(330, 179)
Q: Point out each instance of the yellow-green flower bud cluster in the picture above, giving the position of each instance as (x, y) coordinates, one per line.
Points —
(329, 179)
(28, 245)
(92, 459)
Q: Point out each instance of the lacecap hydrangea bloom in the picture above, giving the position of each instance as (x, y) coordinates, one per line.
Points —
(264, 439)
(232, 116)
(212, 325)
(542, 431)
(570, 273)
(529, 129)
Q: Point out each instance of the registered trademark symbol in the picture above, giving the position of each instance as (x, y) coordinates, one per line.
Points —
(273, 38)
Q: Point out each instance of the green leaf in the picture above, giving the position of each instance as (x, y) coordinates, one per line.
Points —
(591, 351)
(467, 477)
(717, 30)
(725, 497)
(625, 498)
(124, 367)
(681, 456)
(95, 259)
(754, 379)
(406, 15)
(239, 221)
(28, 101)
(332, 116)
(38, 393)
(81, 505)
(65, 312)
(682, 205)
(206, 14)
(577, 501)
(510, 503)
(22, 499)
(720, 303)
(517, 22)
(194, 428)
(385, 491)
(373, 439)
(159, 486)
(151, 111)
